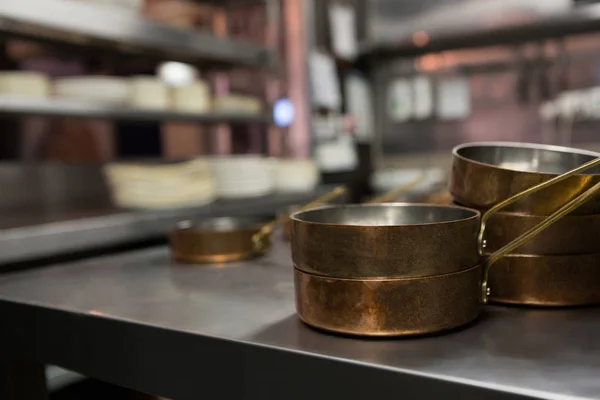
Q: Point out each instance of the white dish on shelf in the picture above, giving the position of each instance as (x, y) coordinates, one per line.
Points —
(106, 89)
(161, 186)
(236, 103)
(292, 176)
(193, 98)
(25, 84)
(149, 93)
(121, 5)
(242, 176)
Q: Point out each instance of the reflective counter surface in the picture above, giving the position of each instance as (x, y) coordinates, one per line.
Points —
(230, 331)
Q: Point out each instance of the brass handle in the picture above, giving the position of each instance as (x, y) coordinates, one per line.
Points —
(561, 212)
(267, 228)
(391, 194)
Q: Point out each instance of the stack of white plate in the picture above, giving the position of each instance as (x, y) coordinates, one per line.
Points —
(22, 83)
(293, 176)
(107, 89)
(162, 186)
(242, 176)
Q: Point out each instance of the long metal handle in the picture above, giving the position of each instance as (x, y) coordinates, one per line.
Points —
(391, 194)
(267, 228)
(486, 216)
(561, 212)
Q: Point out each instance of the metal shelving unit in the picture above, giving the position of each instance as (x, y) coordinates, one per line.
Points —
(17, 106)
(38, 232)
(461, 32)
(87, 26)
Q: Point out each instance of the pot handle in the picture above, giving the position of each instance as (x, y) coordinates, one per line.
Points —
(266, 229)
(391, 194)
(561, 212)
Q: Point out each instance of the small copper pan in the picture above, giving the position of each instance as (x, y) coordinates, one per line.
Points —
(484, 174)
(404, 302)
(226, 239)
(218, 240)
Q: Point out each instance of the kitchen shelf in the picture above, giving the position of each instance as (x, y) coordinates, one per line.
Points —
(40, 232)
(464, 32)
(57, 107)
(90, 26)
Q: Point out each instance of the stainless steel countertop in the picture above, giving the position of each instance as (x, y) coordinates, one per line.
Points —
(181, 331)
(40, 232)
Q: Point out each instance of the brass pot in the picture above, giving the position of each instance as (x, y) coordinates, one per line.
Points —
(391, 240)
(388, 307)
(484, 174)
(218, 240)
(551, 281)
(573, 234)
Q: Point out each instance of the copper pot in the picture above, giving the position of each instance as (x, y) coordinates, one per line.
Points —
(484, 174)
(411, 301)
(388, 307)
(573, 234)
(391, 240)
(218, 240)
(568, 280)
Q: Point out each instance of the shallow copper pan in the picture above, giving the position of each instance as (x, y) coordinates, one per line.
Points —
(218, 240)
(386, 307)
(546, 280)
(573, 234)
(483, 174)
(390, 240)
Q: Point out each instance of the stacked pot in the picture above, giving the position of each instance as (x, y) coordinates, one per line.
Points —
(561, 265)
(386, 269)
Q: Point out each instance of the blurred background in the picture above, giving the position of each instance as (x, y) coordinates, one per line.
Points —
(135, 114)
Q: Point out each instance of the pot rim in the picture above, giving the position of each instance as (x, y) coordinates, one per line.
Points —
(475, 214)
(380, 279)
(520, 145)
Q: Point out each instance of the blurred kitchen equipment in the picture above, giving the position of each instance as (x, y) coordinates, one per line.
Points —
(22, 83)
(108, 89)
(292, 176)
(149, 93)
(242, 176)
(427, 181)
(160, 185)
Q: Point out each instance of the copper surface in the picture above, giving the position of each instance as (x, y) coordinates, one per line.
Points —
(360, 250)
(198, 245)
(546, 280)
(573, 234)
(481, 185)
(388, 307)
